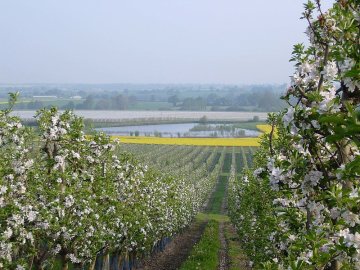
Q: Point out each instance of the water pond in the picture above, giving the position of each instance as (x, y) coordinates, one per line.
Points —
(178, 130)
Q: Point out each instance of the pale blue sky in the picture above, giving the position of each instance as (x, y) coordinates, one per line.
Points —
(148, 41)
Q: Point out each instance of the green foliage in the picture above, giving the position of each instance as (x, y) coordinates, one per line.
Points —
(205, 253)
(64, 196)
(299, 207)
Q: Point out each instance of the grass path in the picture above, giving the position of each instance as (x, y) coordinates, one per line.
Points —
(231, 252)
(177, 251)
(204, 255)
(219, 248)
(223, 253)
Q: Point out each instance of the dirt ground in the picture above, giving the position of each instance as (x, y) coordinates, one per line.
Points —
(223, 252)
(177, 251)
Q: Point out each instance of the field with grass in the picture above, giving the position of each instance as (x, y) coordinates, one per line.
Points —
(57, 102)
(151, 105)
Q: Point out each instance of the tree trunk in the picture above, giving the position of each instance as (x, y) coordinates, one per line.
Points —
(106, 262)
(64, 263)
(92, 265)
(344, 157)
(119, 260)
(344, 152)
(65, 266)
(335, 265)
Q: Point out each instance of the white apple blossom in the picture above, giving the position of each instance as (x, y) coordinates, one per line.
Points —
(330, 71)
(350, 218)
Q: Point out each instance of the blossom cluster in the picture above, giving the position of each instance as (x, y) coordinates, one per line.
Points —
(307, 175)
(69, 198)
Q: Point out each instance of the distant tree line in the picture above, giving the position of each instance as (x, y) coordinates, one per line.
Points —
(248, 101)
(117, 102)
(250, 98)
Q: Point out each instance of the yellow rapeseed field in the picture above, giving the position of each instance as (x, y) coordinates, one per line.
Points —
(264, 128)
(196, 141)
(190, 141)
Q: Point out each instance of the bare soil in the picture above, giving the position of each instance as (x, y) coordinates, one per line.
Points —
(177, 251)
(223, 252)
(238, 258)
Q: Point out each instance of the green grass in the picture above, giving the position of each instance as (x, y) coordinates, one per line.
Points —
(151, 105)
(227, 163)
(60, 102)
(239, 162)
(209, 216)
(46, 102)
(248, 125)
(237, 259)
(218, 196)
(57, 265)
(204, 255)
